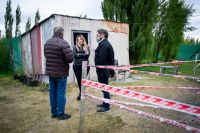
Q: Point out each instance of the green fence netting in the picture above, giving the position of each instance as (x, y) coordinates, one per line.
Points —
(6, 64)
(17, 57)
(188, 52)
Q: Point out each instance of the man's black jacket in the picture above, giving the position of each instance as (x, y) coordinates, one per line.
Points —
(104, 56)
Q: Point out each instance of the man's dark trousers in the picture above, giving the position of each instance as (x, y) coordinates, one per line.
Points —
(104, 80)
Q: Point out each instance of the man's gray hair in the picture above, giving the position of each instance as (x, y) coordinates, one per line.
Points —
(58, 30)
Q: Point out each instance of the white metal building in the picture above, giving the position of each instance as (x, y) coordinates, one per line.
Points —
(32, 42)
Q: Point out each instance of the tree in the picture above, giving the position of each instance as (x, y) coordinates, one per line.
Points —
(28, 24)
(8, 19)
(154, 25)
(5, 55)
(18, 20)
(37, 16)
(0, 34)
(189, 40)
(140, 15)
(171, 26)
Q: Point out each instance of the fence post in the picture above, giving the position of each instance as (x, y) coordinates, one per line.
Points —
(82, 104)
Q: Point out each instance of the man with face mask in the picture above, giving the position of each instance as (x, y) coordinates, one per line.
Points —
(104, 55)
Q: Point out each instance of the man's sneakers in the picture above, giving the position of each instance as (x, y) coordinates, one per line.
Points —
(103, 109)
(61, 117)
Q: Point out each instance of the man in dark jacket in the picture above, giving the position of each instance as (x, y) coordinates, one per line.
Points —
(58, 56)
(104, 55)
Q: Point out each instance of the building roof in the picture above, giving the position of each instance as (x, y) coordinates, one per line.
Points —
(53, 16)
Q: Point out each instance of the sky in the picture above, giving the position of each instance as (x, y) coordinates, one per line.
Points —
(91, 8)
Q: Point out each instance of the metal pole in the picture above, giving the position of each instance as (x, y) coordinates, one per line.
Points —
(82, 104)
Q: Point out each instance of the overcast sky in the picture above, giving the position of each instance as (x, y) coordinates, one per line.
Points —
(91, 8)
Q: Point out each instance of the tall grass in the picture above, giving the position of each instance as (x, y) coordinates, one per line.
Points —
(184, 69)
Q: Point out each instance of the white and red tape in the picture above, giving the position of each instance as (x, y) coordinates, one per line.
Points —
(145, 114)
(171, 104)
(160, 87)
(124, 67)
(161, 74)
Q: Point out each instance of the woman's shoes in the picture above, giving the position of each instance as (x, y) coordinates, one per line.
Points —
(78, 98)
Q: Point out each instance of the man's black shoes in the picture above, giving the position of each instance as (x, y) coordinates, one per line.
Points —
(63, 117)
(99, 105)
(103, 109)
(53, 116)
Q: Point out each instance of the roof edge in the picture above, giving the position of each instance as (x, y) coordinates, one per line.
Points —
(53, 15)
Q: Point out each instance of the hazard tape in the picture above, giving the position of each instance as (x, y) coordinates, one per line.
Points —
(195, 120)
(159, 87)
(174, 105)
(127, 67)
(135, 104)
(138, 104)
(145, 114)
(161, 74)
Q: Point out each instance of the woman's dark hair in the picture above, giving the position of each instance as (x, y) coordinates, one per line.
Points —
(103, 31)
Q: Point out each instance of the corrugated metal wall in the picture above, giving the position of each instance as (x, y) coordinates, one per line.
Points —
(26, 54)
(46, 32)
(36, 50)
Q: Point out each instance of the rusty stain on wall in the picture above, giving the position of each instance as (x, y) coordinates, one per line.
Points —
(116, 27)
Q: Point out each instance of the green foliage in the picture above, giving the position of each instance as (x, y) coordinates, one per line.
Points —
(18, 20)
(190, 41)
(140, 17)
(4, 55)
(8, 19)
(28, 24)
(184, 69)
(37, 16)
(0, 34)
(175, 22)
(155, 26)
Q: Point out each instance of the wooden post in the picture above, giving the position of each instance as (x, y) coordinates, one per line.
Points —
(82, 104)
(117, 75)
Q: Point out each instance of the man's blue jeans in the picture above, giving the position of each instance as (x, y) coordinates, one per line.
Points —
(57, 94)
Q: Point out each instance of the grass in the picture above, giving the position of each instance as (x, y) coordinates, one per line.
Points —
(184, 69)
(5, 74)
(26, 109)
